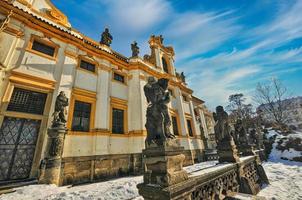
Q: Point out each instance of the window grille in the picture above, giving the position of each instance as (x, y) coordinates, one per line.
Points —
(27, 101)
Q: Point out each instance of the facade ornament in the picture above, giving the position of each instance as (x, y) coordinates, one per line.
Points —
(181, 76)
(135, 49)
(106, 38)
(59, 117)
(4, 22)
(158, 119)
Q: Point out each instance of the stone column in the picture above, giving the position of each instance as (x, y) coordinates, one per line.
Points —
(51, 165)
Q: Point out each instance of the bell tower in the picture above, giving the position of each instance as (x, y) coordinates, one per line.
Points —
(162, 57)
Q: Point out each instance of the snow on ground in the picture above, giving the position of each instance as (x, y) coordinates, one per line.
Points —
(118, 189)
(285, 182)
(288, 154)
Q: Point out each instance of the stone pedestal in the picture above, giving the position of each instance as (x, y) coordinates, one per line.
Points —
(246, 150)
(164, 174)
(227, 151)
(51, 165)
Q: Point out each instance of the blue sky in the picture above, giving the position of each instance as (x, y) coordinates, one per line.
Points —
(223, 46)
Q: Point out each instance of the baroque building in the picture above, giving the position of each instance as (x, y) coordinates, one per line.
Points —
(42, 55)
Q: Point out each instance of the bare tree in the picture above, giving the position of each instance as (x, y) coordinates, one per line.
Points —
(271, 97)
(239, 109)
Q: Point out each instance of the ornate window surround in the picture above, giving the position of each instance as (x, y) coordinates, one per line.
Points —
(87, 97)
(80, 58)
(122, 105)
(43, 41)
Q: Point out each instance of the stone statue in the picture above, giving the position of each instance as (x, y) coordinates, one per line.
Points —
(240, 132)
(183, 77)
(158, 119)
(222, 127)
(135, 49)
(106, 38)
(59, 117)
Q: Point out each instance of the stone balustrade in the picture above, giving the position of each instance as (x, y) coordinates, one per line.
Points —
(217, 182)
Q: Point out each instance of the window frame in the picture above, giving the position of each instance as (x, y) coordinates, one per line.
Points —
(45, 42)
(121, 74)
(81, 58)
(192, 127)
(163, 59)
(72, 125)
(116, 103)
(83, 96)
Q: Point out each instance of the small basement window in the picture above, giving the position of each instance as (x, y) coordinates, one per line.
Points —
(119, 77)
(87, 65)
(43, 48)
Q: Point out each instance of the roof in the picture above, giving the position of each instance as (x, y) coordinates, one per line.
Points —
(70, 31)
(196, 99)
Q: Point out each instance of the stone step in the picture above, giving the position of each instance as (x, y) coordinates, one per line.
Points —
(242, 196)
(9, 186)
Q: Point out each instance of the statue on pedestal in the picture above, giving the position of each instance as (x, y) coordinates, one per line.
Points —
(59, 117)
(226, 147)
(240, 133)
(106, 38)
(222, 127)
(135, 49)
(158, 119)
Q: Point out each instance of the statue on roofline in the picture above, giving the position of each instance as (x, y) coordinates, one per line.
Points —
(59, 117)
(135, 49)
(158, 119)
(106, 38)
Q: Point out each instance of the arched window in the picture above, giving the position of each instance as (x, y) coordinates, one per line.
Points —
(165, 65)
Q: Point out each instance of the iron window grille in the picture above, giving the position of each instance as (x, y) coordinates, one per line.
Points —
(27, 101)
(43, 48)
(87, 65)
(117, 121)
(81, 116)
(119, 77)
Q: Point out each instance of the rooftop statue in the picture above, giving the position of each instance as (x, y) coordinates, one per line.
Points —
(158, 119)
(222, 127)
(106, 38)
(135, 49)
(59, 117)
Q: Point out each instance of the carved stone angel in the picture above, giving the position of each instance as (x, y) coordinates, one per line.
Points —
(158, 119)
(59, 117)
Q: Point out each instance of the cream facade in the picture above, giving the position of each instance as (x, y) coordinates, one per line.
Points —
(40, 56)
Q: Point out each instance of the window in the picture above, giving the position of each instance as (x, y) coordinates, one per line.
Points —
(81, 116)
(119, 77)
(189, 125)
(184, 97)
(43, 48)
(171, 92)
(87, 65)
(165, 65)
(175, 126)
(117, 121)
(27, 101)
